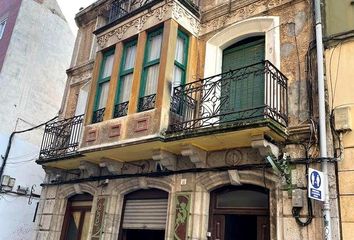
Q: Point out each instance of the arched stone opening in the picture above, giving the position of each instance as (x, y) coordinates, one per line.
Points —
(239, 211)
(206, 183)
(126, 188)
(258, 26)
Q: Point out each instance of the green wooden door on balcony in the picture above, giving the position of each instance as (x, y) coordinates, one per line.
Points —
(242, 90)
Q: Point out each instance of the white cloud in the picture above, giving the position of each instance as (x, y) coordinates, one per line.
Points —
(70, 8)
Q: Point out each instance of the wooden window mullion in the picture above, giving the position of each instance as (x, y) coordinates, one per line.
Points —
(81, 223)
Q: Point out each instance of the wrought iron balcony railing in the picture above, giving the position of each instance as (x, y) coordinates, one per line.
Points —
(61, 138)
(147, 103)
(98, 115)
(120, 110)
(252, 93)
(123, 8)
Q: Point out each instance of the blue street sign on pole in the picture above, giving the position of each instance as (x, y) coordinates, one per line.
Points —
(316, 183)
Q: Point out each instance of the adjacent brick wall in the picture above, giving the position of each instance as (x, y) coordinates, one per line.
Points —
(9, 10)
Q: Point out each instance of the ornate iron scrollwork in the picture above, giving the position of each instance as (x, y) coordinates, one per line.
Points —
(61, 138)
(120, 110)
(216, 101)
(98, 115)
(147, 103)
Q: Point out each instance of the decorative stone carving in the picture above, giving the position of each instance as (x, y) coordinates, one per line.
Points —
(233, 157)
(264, 147)
(240, 14)
(170, 9)
(80, 74)
(179, 12)
(138, 23)
(90, 168)
(196, 155)
(235, 178)
(167, 159)
(113, 167)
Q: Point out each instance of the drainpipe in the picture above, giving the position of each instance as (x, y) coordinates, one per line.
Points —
(322, 119)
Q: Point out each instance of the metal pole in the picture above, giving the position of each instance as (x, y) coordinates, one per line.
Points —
(322, 119)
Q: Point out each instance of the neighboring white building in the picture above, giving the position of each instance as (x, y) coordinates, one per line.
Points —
(35, 50)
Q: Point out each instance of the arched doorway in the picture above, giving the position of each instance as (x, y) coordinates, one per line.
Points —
(77, 217)
(239, 213)
(242, 90)
(144, 215)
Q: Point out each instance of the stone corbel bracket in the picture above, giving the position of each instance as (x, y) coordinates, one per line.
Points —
(113, 167)
(264, 147)
(91, 168)
(197, 155)
(53, 173)
(167, 159)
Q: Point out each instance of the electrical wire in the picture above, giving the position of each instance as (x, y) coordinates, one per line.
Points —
(5, 158)
(296, 210)
(259, 166)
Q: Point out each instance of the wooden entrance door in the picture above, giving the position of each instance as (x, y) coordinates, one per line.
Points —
(242, 91)
(239, 213)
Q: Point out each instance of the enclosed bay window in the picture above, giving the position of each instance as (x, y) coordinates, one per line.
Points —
(179, 105)
(151, 71)
(125, 79)
(77, 218)
(181, 59)
(103, 86)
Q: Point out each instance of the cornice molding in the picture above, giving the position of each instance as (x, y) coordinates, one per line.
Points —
(149, 18)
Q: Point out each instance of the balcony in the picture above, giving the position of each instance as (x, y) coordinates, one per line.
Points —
(225, 111)
(61, 139)
(123, 9)
(230, 100)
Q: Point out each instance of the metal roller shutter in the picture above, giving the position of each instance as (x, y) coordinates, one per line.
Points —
(148, 214)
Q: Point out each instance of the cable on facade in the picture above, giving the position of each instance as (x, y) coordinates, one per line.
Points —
(8, 148)
(296, 210)
(194, 170)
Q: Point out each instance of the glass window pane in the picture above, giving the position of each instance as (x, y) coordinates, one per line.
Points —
(155, 47)
(108, 66)
(73, 228)
(180, 50)
(177, 77)
(2, 27)
(86, 226)
(151, 80)
(130, 57)
(104, 88)
(125, 88)
(242, 199)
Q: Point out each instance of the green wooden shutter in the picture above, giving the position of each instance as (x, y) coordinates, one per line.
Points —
(244, 91)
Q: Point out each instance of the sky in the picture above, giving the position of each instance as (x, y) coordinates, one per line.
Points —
(70, 8)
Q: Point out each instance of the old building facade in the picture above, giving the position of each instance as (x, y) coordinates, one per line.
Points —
(171, 111)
